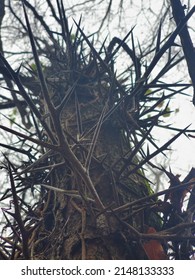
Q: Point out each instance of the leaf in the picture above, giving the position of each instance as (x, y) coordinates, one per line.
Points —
(167, 113)
(12, 116)
(160, 105)
(177, 110)
(153, 248)
(149, 91)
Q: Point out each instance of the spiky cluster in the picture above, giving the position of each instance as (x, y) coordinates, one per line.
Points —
(87, 149)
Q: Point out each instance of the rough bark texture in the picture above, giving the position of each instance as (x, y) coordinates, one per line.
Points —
(73, 228)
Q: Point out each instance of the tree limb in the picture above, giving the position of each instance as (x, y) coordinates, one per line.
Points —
(186, 41)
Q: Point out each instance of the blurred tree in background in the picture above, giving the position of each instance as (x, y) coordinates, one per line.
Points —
(77, 132)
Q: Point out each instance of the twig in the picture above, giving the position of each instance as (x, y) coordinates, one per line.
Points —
(152, 196)
(18, 217)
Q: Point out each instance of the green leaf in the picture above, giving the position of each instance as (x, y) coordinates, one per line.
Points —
(167, 112)
(149, 91)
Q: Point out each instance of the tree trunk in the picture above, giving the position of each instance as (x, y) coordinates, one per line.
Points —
(72, 226)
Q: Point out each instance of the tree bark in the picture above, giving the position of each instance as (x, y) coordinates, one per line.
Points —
(72, 227)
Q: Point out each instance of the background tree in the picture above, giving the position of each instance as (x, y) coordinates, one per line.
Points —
(77, 188)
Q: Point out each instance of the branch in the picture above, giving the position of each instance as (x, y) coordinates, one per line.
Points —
(18, 217)
(128, 205)
(186, 41)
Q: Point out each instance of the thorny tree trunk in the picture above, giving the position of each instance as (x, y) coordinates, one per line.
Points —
(72, 228)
